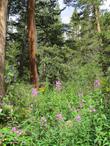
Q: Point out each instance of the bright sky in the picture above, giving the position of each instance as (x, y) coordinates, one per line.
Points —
(67, 13)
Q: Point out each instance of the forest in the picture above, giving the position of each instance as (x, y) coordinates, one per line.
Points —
(54, 76)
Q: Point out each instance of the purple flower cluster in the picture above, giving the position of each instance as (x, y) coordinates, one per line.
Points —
(17, 131)
(58, 85)
(97, 83)
(59, 117)
(78, 118)
(92, 110)
(34, 92)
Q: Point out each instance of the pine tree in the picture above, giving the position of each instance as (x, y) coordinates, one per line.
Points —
(32, 43)
(49, 26)
(3, 18)
(83, 31)
(105, 36)
(49, 33)
(50, 39)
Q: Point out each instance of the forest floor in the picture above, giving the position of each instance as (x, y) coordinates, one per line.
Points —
(53, 117)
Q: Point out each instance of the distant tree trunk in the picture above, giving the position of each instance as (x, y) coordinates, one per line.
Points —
(3, 18)
(32, 42)
(24, 40)
(97, 18)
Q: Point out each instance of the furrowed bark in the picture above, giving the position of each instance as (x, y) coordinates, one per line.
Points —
(97, 17)
(32, 43)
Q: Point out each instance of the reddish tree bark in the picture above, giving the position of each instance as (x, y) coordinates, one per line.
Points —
(32, 43)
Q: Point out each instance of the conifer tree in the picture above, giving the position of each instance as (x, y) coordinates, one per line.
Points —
(32, 43)
(3, 18)
(49, 26)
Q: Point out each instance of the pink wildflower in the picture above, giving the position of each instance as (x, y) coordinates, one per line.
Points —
(14, 129)
(58, 85)
(92, 109)
(59, 117)
(97, 83)
(34, 92)
(78, 118)
(17, 131)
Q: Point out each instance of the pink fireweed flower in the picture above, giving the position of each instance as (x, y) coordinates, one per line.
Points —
(59, 117)
(17, 131)
(78, 118)
(14, 129)
(97, 83)
(34, 92)
(92, 109)
(58, 85)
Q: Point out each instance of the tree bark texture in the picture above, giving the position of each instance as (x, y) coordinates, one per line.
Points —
(32, 43)
(97, 18)
(3, 18)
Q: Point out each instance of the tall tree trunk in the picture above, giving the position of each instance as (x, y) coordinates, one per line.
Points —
(97, 18)
(32, 42)
(3, 17)
(24, 38)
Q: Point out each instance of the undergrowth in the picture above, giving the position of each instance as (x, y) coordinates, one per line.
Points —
(53, 117)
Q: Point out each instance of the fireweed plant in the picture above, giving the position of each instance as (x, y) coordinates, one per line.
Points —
(54, 117)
